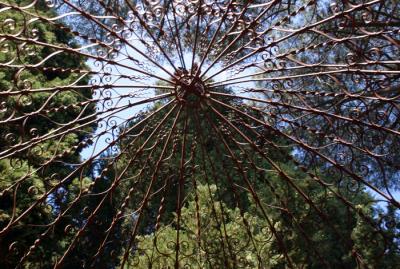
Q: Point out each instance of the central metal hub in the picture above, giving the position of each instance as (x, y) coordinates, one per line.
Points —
(190, 88)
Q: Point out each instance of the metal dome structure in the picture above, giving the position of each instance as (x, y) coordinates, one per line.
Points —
(200, 114)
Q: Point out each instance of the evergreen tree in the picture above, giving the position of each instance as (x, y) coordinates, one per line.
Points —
(29, 112)
(317, 231)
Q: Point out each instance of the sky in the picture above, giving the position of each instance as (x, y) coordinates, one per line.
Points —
(137, 95)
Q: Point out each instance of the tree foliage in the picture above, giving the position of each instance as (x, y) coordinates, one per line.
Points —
(30, 172)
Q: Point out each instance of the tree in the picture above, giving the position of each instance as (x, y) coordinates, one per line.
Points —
(304, 72)
(86, 252)
(307, 216)
(215, 235)
(218, 238)
(29, 112)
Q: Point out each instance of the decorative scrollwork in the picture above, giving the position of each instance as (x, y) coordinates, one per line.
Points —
(199, 134)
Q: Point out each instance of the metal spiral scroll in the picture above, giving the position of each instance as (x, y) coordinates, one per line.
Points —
(185, 97)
